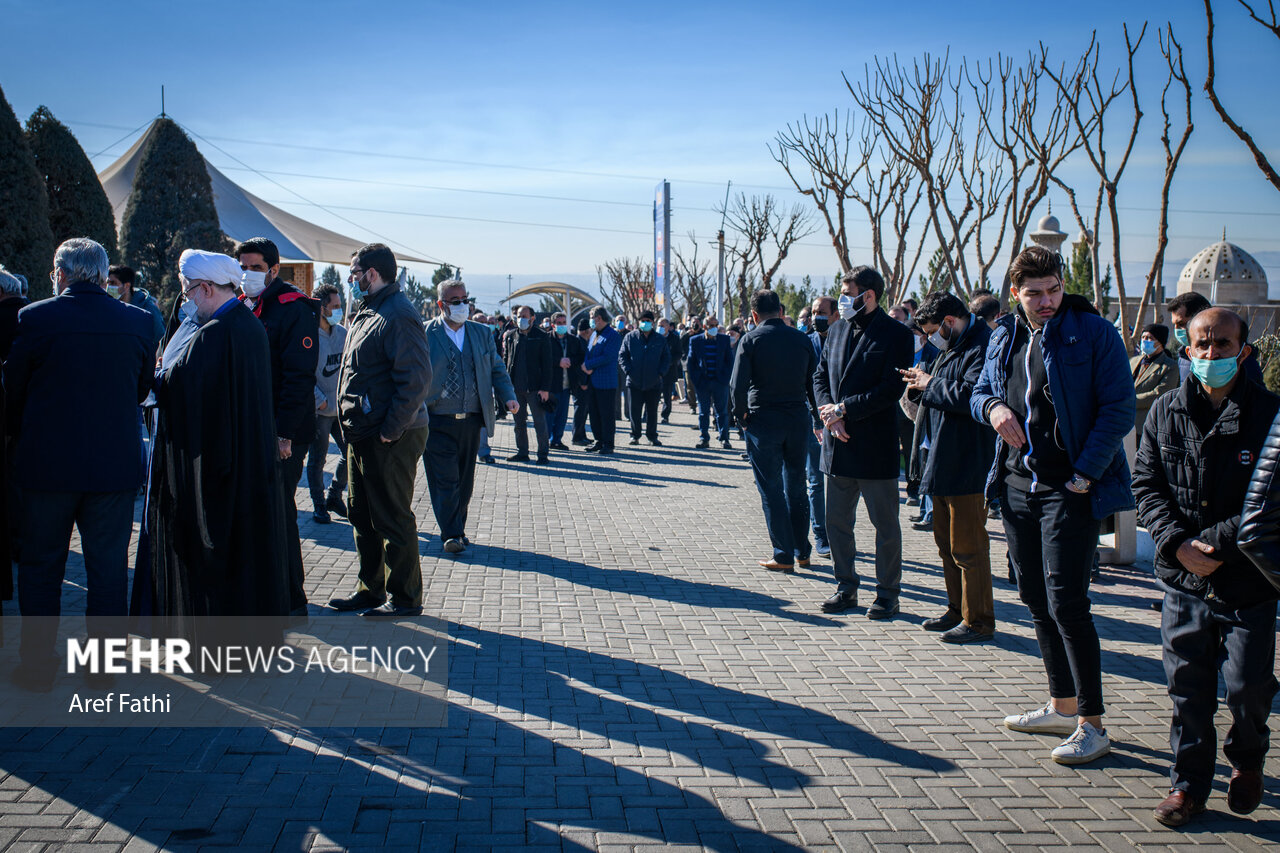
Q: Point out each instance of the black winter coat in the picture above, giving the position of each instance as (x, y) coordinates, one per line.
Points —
(575, 349)
(1190, 485)
(292, 320)
(961, 450)
(644, 360)
(534, 347)
(1259, 537)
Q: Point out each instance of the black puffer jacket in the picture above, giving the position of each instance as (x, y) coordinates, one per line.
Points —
(1191, 485)
(292, 320)
(1259, 537)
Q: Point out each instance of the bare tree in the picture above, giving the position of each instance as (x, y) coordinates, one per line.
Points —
(1172, 52)
(1274, 26)
(1088, 113)
(768, 232)
(694, 285)
(628, 284)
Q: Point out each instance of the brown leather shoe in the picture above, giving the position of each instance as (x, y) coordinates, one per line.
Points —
(1177, 809)
(775, 566)
(1244, 792)
(804, 564)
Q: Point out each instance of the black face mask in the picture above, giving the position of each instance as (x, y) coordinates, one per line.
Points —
(820, 323)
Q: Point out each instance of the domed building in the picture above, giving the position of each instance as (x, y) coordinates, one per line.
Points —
(1049, 233)
(1226, 275)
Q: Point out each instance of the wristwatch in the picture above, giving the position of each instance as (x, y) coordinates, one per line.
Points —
(1081, 484)
(840, 410)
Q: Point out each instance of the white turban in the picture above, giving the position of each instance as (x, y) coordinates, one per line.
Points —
(196, 265)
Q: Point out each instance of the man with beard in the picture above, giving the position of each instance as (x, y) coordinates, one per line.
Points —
(292, 321)
(215, 514)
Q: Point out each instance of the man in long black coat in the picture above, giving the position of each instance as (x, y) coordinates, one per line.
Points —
(215, 513)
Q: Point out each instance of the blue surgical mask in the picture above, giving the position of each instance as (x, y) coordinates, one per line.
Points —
(523, 323)
(662, 330)
(1215, 372)
(804, 327)
(1147, 346)
(750, 326)
(621, 324)
(335, 316)
(646, 326)
(357, 292)
(188, 310)
(562, 330)
(1181, 336)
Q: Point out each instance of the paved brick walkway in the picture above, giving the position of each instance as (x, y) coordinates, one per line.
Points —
(623, 677)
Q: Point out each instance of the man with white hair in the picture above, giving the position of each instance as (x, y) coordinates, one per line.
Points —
(215, 512)
(80, 364)
(12, 300)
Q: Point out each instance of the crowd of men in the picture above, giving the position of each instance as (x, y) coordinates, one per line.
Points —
(1019, 416)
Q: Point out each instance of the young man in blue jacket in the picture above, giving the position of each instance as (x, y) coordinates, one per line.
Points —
(645, 357)
(601, 364)
(1057, 390)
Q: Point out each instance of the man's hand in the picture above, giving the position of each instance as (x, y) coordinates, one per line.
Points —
(588, 372)
(1005, 422)
(915, 378)
(817, 433)
(513, 406)
(564, 362)
(1194, 556)
(324, 404)
(830, 413)
(544, 395)
(284, 447)
(838, 431)
(386, 440)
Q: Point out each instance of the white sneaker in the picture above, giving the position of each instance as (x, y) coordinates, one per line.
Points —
(1086, 744)
(1044, 720)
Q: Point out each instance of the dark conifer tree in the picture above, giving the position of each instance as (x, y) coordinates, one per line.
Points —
(78, 205)
(26, 243)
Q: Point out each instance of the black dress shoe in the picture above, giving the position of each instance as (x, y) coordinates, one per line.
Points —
(558, 445)
(542, 460)
(593, 447)
(726, 445)
(655, 443)
(635, 441)
(387, 611)
(580, 442)
(336, 505)
(882, 609)
(518, 457)
(702, 445)
(362, 600)
(962, 635)
(840, 602)
(320, 516)
(945, 622)
(1244, 791)
(923, 526)
(665, 420)
(916, 518)
(605, 451)
(488, 459)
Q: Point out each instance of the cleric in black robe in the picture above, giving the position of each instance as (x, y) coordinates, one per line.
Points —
(214, 511)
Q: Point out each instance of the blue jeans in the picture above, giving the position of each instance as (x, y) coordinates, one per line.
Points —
(713, 393)
(1200, 636)
(817, 489)
(105, 520)
(558, 418)
(777, 448)
(484, 444)
(318, 454)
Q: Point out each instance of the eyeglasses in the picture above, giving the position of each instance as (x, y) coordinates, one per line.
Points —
(192, 286)
(53, 276)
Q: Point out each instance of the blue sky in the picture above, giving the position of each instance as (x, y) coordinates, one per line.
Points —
(591, 102)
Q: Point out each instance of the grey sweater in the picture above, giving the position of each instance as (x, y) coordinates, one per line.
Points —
(328, 362)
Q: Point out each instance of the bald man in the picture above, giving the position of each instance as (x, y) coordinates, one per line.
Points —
(1198, 450)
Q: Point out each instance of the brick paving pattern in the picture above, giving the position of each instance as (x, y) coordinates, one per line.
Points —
(623, 677)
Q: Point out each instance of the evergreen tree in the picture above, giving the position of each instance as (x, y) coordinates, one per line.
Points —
(422, 296)
(26, 243)
(444, 271)
(330, 276)
(78, 205)
(1078, 277)
(170, 209)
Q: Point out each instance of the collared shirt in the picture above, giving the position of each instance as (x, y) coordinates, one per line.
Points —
(458, 336)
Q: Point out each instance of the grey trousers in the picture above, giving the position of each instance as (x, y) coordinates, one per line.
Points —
(881, 497)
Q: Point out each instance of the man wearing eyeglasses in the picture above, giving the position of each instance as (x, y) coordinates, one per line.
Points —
(467, 376)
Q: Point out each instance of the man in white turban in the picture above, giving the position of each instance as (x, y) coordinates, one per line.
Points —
(214, 513)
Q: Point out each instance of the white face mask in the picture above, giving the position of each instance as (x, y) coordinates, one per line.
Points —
(938, 340)
(850, 306)
(919, 343)
(522, 322)
(458, 313)
(336, 316)
(712, 331)
(253, 283)
(189, 309)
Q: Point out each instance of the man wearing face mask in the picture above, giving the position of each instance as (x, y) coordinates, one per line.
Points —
(710, 366)
(582, 396)
(672, 338)
(215, 512)
(468, 378)
(292, 321)
(1182, 309)
(1154, 371)
(333, 335)
(530, 365)
(1199, 448)
(645, 358)
(601, 365)
(694, 329)
(956, 465)
(567, 353)
(857, 387)
(120, 284)
(821, 313)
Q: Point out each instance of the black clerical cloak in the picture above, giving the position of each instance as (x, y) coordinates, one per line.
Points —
(215, 511)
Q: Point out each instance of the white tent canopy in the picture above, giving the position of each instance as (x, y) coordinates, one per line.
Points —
(242, 215)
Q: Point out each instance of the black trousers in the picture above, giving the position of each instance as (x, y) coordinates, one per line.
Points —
(668, 391)
(531, 408)
(644, 406)
(906, 431)
(450, 465)
(581, 408)
(1199, 637)
(380, 503)
(290, 473)
(1052, 538)
(604, 421)
(778, 447)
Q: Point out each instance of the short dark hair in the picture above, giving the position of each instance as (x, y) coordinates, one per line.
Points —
(123, 274)
(766, 303)
(258, 246)
(1190, 302)
(1035, 262)
(1159, 331)
(827, 303)
(601, 311)
(646, 315)
(980, 291)
(378, 257)
(865, 278)
(516, 309)
(940, 304)
(986, 307)
(324, 292)
(910, 303)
